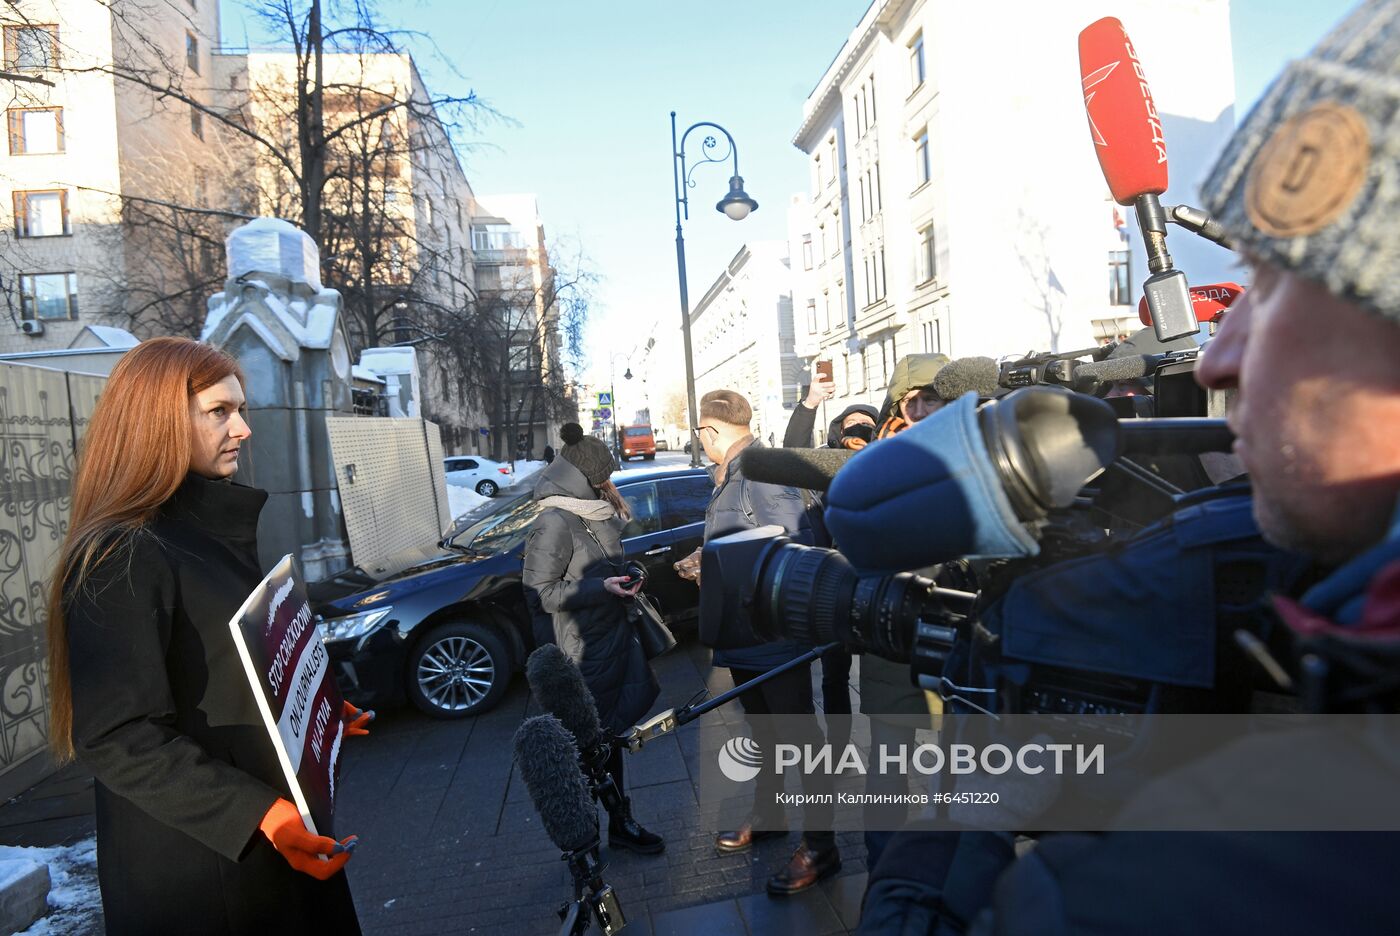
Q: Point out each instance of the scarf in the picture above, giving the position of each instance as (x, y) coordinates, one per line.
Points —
(894, 425)
(854, 443)
(587, 509)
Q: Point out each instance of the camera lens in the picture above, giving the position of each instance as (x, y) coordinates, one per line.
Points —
(814, 596)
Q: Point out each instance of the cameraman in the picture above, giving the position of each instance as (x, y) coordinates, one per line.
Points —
(1309, 189)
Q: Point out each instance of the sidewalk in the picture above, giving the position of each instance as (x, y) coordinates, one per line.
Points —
(451, 843)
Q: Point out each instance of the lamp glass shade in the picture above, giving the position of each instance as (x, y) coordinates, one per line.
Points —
(737, 204)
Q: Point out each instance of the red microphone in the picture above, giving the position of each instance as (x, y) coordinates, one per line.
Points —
(1123, 120)
(1206, 301)
(1128, 140)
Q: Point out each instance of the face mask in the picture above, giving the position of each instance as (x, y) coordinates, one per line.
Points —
(863, 431)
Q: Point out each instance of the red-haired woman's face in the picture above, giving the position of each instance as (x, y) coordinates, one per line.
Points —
(217, 429)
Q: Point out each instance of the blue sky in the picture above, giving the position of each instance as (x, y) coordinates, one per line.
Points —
(589, 86)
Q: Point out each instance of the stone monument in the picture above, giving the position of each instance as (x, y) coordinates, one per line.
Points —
(285, 329)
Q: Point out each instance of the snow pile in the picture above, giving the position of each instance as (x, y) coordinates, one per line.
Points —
(523, 469)
(462, 500)
(75, 903)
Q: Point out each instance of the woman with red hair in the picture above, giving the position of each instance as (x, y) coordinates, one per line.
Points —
(195, 831)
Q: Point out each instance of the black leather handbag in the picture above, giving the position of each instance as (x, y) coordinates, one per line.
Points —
(653, 634)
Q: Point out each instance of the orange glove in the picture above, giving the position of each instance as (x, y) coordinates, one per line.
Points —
(356, 719)
(284, 829)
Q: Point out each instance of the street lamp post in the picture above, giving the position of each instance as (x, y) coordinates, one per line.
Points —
(736, 206)
(612, 389)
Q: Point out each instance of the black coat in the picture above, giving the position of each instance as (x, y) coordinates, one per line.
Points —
(165, 719)
(566, 560)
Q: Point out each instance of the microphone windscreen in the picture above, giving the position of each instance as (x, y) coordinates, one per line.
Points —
(1123, 120)
(548, 760)
(1133, 367)
(961, 375)
(812, 469)
(561, 691)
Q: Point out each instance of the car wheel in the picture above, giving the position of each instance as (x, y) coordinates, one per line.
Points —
(457, 670)
(487, 488)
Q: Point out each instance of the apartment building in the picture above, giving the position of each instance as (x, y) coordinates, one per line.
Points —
(78, 141)
(742, 336)
(531, 398)
(955, 202)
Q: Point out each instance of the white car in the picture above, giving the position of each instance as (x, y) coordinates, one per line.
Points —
(482, 475)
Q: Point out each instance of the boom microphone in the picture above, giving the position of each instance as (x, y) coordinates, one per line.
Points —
(971, 374)
(561, 691)
(811, 469)
(548, 759)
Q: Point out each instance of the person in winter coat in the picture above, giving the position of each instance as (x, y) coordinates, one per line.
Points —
(573, 574)
(910, 396)
(852, 428)
(195, 828)
(740, 504)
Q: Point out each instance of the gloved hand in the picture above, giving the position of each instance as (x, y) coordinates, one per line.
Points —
(284, 829)
(356, 719)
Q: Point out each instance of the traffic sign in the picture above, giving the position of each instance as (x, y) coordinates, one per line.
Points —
(604, 413)
(605, 399)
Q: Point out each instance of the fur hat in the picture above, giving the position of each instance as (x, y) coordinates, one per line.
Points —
(1310, 182)
(590, 456)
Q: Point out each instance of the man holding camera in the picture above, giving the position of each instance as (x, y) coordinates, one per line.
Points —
(740, 504)
(1309, 190)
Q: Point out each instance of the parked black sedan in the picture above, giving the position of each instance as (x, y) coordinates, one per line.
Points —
(448, 632)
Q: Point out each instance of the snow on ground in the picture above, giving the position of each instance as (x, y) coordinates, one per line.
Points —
(463, 500)
(75, 903)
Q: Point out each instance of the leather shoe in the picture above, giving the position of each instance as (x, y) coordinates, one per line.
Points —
(742, 838)
(806, 867)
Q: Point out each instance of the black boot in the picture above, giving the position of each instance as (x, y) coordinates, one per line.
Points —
(626, 832)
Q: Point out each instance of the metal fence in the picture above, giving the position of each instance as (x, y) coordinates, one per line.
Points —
(43, 415)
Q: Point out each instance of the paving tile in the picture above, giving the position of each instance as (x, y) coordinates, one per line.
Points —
(808, 914)
(717, 919)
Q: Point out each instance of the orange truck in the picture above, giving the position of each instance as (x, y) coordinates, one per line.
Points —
(638, 441)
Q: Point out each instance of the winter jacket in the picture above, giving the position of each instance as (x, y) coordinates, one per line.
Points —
(804, 419)
(164, 717)
(740, 504)
(566, 560)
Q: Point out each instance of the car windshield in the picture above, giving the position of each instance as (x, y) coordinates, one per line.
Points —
(502, 528)
(640, 431)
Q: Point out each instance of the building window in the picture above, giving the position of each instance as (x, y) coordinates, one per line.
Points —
(845, 373)
(916, 62)
(831, 151)
(35, 130)
(864, 369)
(826, 311)
(42, 214)
(806, 251)
(860, 118)
(31, 47)
(811, 316)
(196, 121)
(822, 256)
(870, 121)
(875, 187)
(836, 226)
(48, 295)
(817, 166)
(191, 52)
(869, 287)
(1120, 291)
(925, 258)
(922, 170)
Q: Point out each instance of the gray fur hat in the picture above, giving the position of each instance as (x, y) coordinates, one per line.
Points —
(1311, 180)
